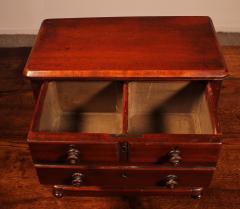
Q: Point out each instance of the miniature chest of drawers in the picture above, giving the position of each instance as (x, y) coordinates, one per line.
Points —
(126, 105)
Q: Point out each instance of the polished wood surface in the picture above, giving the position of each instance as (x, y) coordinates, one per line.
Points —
(125, 48)
(155, 153)
(19, 186)
(153, 149)
(125, 176)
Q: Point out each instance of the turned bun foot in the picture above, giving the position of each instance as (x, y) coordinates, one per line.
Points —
(197, 195)
(57, 192)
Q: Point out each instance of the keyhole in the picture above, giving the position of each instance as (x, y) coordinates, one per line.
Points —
(124, 175)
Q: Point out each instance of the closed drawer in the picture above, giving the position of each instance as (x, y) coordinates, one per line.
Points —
(87, 152)
(175, 154)
(129, 176)
(171, 154)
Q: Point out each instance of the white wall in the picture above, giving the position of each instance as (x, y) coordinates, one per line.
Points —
(25, 16)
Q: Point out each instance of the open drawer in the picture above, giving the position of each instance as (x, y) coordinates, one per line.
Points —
(92, 120)
(86, 107)
(169, 107)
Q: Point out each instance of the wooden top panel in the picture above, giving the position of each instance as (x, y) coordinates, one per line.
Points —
(126, 48)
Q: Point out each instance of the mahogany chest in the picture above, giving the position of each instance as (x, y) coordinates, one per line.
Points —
(126, 105)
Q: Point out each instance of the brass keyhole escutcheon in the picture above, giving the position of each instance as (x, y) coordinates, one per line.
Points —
(124, 175)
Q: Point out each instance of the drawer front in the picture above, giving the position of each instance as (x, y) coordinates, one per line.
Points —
(188, 154)
(124, 176)
(62, 153)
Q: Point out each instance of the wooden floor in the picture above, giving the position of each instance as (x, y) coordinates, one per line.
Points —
(19, 187)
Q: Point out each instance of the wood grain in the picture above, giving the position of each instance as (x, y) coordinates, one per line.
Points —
(229, 107)
(125, 48)
(20, 189)
(15, 93)
(232, 56)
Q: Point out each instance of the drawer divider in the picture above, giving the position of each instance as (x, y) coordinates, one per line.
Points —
(125, 108)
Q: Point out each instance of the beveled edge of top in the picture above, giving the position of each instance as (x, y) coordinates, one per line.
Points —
(122, 75)
(215, 74)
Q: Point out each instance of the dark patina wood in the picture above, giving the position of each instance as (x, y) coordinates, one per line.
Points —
(155, 153)
(126, 47)
(126, 176)
(139, 51)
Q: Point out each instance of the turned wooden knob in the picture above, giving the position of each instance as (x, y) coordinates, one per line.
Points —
(175, 157)
(73, 155)
(171, 181)
(77, 179)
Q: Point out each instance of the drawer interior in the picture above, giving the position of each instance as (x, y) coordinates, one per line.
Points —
(115, 107)
(168, 107)
(82, 106)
